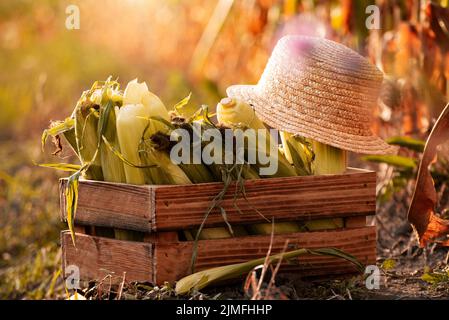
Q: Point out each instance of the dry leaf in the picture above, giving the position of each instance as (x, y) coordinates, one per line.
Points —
(430, 228)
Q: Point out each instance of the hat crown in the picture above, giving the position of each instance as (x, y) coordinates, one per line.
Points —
(323, 69)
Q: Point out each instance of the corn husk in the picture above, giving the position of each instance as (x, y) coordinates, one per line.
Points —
(86, 132)
(237, 114)
(202, 279)
(112, 167)
(221, 233)
(298, 152)
(324, 224)
(135, 125)
(279, 228)
(328, 159)
(130, 127)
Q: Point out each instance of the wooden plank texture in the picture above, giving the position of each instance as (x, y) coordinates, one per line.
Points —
(97, 257)
(160, 261)
(165, 208)
(107, 204)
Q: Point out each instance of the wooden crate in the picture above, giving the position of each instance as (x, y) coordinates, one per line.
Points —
(162, 211)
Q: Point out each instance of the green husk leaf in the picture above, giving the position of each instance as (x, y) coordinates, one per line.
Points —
(182, 103)
(61, 166)
(203, 116)
(298, 163)
(70, 137)
(328, 159)
(202, 279)
(86, 129)
(71, 194)
(103, 121)
(160, 119)
(407, 142)
(393, 160)
(112, 167)
(121, 157)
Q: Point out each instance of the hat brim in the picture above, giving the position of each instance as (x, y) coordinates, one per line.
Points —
(276, 114)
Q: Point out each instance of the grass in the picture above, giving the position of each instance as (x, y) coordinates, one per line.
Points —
(29, 250)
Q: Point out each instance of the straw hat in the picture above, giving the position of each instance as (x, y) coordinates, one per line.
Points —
(318, 89)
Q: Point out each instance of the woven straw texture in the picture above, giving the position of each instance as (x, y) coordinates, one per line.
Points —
(321, 90)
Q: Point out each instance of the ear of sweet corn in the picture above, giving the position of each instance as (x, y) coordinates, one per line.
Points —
(131, 124)
(279, 228)
(233, 113)
(328, 159)
(202, 279)
(324, 224)
(86, 123)
(130, 127)
(221, 233)
(214, 233)
(166, 172)
(237, 114)
(112, 167)
(136, 123)
(298, 152)
(196, 172)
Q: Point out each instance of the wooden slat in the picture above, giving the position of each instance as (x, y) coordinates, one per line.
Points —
(160, 208)
(159, 262)
(97, 257)
(113, 205)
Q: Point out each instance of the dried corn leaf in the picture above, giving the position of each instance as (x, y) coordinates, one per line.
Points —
(421, 214)
(61, 166)
(202, 279)
(122, 157)
(57, 128)
(71, 194)
(179, 106)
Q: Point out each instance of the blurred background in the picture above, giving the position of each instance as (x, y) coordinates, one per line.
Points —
(177, 47)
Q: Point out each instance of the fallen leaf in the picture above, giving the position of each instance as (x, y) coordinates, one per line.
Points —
(421, 214)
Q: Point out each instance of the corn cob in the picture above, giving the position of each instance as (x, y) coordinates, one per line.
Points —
(135, 124)
(86, 122)
(237, 114)
(298, 152)
(321, 159)
(197, 173)
(328, 160)
(112, 167)
(221, 233)
(324, 224)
